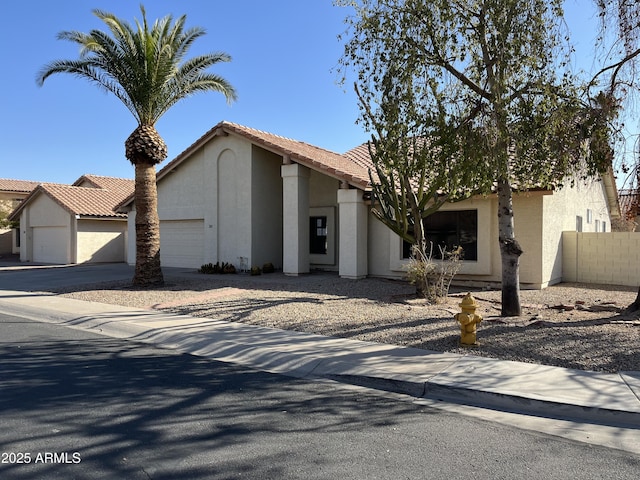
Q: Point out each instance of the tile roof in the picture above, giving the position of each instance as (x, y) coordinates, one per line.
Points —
(629, 202)
(348, 168)
(352, 167)
(342, 167)
(119, 186)
(97, 200)
(361, 156)
(18, 186)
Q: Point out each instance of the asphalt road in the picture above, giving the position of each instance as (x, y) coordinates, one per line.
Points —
(32, 277)
(83, 406)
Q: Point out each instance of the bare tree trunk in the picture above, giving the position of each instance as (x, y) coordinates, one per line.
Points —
(635, 306)
(148, 271)
(418, 232)
(510, 252)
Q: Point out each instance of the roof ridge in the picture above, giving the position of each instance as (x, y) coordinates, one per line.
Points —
(106, 176)
(75, 187)
(265, 132)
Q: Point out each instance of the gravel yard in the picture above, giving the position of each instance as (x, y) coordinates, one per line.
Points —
(585, 330)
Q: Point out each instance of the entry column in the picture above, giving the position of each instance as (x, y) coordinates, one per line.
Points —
(295, 219)
(353, 234)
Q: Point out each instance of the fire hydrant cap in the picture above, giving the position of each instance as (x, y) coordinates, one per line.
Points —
(468, 302)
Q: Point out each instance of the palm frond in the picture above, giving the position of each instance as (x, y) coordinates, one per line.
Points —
(143, 65)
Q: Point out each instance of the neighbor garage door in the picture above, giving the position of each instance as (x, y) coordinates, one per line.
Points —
(182, 243)
(50, 245)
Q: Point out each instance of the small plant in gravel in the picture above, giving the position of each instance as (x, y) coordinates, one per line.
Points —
(210, 268)
(228, 268)
(433, 278)
(256, 271)
(268, 268)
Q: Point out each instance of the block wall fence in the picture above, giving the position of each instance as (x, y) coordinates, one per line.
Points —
(611, 258)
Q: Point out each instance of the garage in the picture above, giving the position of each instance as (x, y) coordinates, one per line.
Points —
(50, 245)
(182, 243)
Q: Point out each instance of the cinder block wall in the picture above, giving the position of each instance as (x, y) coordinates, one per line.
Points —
(611, 258)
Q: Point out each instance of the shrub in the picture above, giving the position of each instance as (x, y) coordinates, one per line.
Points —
(256, 271)
(210, 268)
(433, 278)
(268, 268)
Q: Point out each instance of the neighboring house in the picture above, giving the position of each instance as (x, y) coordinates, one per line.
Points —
(12, 192)
(65, 224)
(249, 197)
(630, 207)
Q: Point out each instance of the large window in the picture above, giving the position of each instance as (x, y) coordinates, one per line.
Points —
(450, 229)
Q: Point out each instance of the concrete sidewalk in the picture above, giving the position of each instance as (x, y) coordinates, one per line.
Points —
(544, 391)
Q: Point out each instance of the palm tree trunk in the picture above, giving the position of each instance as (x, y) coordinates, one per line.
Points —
(510, 252)
(148, 271)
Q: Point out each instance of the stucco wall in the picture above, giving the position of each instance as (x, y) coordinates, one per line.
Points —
(101, 241)
(323, 201)
(539, 218)
(611, 258)
(6, 240)
(266, 208)
(218, 186)
(385, 247)
(560, 212)
(47, 232)
(234, 206)
(44, 212)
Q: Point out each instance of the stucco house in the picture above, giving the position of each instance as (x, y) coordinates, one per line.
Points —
(12, 192)
(249, 197)
(65, 224)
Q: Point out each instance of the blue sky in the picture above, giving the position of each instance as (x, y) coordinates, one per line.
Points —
(284, 57)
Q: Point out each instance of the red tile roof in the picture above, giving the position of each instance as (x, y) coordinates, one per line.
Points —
(347, 168)
(361, 156)
(333, 164)
(97, 200)
(18, 186)
(629, 202)
(351, 167)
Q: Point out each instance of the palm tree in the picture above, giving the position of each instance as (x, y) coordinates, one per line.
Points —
(146, 69)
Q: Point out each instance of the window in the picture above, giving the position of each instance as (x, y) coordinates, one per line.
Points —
(318, 235)
(450, 229)
(597, 225)
(578, 223)
(589, 215)
(604, 226)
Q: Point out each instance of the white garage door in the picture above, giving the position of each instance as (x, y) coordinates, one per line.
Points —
(50, 245)
(182, 243)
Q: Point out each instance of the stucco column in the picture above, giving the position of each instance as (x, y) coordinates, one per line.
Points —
(295, 219)
(353, 213)
(26, 237)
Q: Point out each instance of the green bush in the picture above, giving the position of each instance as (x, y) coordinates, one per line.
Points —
(210, 268)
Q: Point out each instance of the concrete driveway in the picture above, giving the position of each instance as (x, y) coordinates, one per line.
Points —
(31, 277)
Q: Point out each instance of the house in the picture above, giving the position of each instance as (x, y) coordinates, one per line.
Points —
(76, 223)
(12, 192)
(248, 197)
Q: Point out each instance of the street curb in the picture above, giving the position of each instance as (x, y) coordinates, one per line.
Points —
(489, 400)
(288, 353)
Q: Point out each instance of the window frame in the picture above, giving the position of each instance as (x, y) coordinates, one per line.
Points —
(481, 266)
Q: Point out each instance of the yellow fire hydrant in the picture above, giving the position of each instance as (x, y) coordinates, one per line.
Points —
(468, 320)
